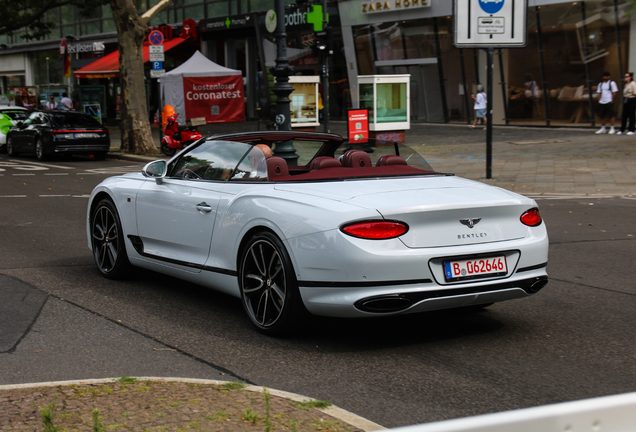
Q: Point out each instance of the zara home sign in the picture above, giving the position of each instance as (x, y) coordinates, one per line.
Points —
(392, 5)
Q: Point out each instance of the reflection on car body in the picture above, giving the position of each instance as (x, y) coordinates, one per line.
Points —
(341, 233)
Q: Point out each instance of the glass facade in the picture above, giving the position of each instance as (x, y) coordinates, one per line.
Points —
(551, 81)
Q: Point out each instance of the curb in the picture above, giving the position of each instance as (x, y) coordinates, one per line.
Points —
(334, 411)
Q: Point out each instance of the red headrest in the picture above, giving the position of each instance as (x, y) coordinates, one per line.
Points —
(356, 159)
(324, 162)
(390, 160)
(276, 167)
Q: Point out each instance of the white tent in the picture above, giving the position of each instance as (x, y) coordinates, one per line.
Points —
(197, 66)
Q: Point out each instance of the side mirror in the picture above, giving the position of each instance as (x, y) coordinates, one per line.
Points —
(156, 169)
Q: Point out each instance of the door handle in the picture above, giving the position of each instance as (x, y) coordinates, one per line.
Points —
(203, 207)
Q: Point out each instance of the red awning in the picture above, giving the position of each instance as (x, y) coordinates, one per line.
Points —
(108, 66)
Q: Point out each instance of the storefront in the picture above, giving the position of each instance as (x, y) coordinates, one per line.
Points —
(244, 42)
(550, 82)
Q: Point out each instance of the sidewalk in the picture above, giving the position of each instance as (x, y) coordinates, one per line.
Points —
(528, 160)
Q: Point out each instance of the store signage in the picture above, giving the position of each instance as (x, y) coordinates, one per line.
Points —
(394, 5)
(217, 98)
(270, 21)
(490, 23)
(79, 48)
(229, 23)
(358, 126)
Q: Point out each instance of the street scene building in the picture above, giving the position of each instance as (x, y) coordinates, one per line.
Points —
(551, 81)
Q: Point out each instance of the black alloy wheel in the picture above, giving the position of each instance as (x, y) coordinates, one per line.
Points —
(39, 150)
(167, 150)
(109, 249)
(269, 290)
(10, 148)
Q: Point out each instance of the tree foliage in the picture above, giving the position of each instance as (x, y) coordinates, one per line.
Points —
(31, 15)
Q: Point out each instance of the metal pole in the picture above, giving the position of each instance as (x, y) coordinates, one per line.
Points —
(489, 66)
(282, 88)
(504, 87)
(48, 81)
(325, 69)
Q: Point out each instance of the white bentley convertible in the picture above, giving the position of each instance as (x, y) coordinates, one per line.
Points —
(333, 231)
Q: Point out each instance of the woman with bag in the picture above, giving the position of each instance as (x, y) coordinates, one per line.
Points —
(629, 104)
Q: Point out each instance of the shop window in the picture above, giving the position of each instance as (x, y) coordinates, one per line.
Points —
(194, 11)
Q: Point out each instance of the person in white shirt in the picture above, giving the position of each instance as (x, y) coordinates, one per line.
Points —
(51, 104)
(67, 103)
(607, 90)
(480, 105)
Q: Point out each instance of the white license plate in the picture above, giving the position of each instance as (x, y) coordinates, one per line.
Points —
(86, 135)
(475, 268)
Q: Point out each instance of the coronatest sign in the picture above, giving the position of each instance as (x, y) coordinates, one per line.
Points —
(217, 98)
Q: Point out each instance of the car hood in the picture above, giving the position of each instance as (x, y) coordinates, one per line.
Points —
(433, 207)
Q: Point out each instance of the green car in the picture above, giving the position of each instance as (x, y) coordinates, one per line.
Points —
(9, 116)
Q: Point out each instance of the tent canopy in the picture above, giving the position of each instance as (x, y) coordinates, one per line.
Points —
(202, 88)
(108, 66)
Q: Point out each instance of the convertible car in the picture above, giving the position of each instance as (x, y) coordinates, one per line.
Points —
(329, 230)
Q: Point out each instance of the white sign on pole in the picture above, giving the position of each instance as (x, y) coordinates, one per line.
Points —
(157, 73)
(157, 57)
(490, 23)
(155, 49)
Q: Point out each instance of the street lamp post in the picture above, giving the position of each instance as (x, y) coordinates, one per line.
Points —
(282, 88)
(48, 81)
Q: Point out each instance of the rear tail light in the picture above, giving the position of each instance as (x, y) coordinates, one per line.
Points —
(531, 218)
(375, 230)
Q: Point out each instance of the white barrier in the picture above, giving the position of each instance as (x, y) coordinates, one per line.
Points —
(604, 414)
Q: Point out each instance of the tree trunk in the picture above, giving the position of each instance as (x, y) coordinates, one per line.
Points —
(136, 135)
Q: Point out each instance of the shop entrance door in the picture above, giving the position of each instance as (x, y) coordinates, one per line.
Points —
(426, 90)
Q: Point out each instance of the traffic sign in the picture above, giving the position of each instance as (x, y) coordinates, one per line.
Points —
(157, 57)
(490, 23)
(157, 73)
(157, 65)
(155, 49)
(155, 37)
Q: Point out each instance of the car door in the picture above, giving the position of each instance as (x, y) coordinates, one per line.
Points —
(175, 216)
(30, 132)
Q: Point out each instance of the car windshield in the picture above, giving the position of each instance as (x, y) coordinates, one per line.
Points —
(74, 120)
(214, 160)
(16, 114)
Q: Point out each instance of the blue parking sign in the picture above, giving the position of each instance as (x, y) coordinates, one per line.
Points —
(157, 65)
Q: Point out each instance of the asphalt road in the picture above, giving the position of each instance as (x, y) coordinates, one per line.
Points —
(573, 340)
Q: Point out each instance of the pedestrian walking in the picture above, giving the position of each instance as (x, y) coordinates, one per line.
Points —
(480, 105)
(607, 90)
(629, 104)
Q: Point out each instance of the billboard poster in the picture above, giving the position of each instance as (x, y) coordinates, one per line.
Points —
(358, 126)
(217, 98)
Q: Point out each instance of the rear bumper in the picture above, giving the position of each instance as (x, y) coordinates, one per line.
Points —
(86, 148)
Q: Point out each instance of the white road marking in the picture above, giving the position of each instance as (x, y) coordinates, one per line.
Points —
(17, 175)
(13, 196)
(56, 174)
(53, 196)
(41, 164)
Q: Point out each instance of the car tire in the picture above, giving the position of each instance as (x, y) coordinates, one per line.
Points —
(269, 290)
(107, 239)
(39, 150)
(10, 148)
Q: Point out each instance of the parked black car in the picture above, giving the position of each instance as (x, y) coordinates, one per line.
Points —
(57, 132)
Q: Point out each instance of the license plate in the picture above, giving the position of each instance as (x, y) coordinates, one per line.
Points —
(86, 135)
(475, 268)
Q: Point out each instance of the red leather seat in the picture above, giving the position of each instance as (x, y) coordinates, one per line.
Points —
(276, 167)
(356, 159)
(390, 160)
(323, 162)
